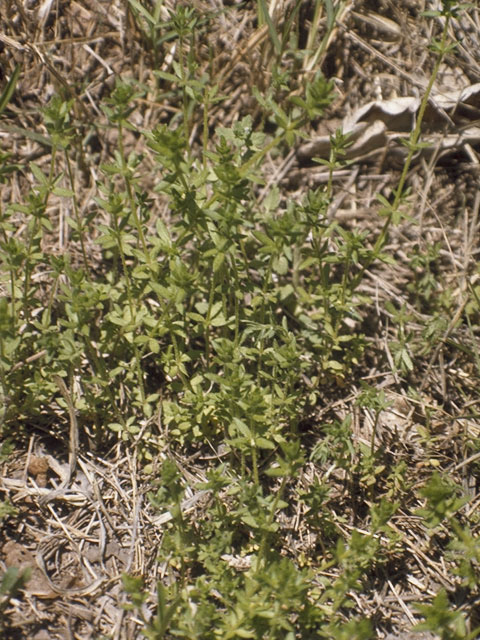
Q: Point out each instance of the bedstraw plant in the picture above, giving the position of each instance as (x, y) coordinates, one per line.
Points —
(221, 324)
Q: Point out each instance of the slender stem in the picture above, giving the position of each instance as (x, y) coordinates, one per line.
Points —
(413, 141)
(78, 220)
(254, 453)
(131, 199)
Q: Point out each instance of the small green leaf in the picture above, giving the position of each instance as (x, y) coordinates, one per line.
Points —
(13, 579)
(154, 345)
(63, 193)
(218, 262)
(38, 174)
(263, 443)
(219, 321)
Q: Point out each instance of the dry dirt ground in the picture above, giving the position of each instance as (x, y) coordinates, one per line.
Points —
(379, 58)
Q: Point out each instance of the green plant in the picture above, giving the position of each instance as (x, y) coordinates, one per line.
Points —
(441, 619)
(7, 510)
(443, 500)
(13, 580)
(213, 324)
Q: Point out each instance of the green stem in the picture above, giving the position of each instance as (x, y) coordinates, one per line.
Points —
(271, 516)
(131, 199)
(35, 229)
(254, 453)
(211, 296)
(77, 216)
(11, 270)
(413, 141)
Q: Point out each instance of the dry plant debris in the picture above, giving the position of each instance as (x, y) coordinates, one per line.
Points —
(380, 427)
